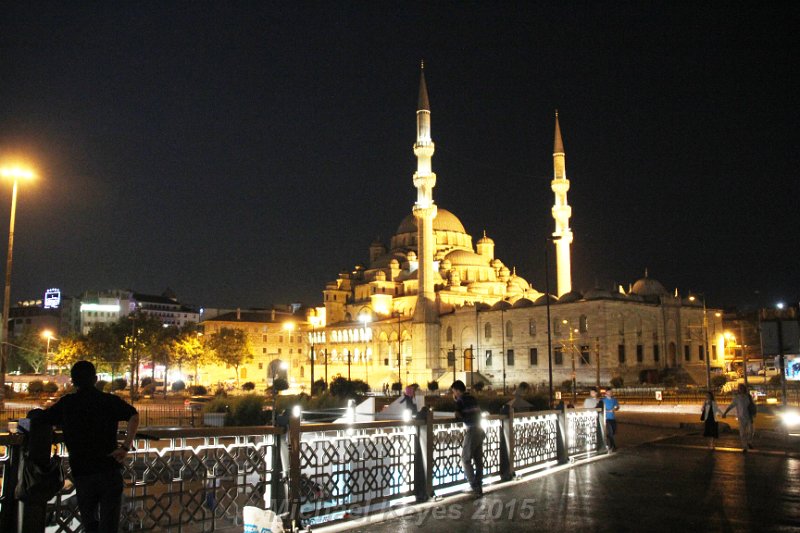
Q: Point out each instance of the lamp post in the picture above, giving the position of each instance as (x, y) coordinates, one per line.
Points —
(47, 334)
(366, 319)
(289, 328)
(572, 353)
(503, 344)
(314, 320)
(399, 376)
(705, 339)
(547, 304)
(15, 174)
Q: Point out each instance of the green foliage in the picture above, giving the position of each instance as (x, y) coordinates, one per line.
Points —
(249, 386)
(319, 387)
(101, 385)
(36, 386)
(231, 347)
(217, 405)
(118, 384)
(149, 389)
(279, 384)
(433, 386)
(344, 388)
(50, 387)
(146, 382)
(617, 382)
(246, 410)
(178, 386)
(718, 381)
(198, 390)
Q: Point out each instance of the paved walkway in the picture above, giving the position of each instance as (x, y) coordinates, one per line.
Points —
(662, 479)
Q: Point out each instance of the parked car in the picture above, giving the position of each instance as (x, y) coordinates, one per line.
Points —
(195, 403)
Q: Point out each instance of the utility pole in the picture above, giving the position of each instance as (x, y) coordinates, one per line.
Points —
(597, 358)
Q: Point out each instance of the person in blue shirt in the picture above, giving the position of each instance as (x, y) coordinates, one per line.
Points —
(610, 405)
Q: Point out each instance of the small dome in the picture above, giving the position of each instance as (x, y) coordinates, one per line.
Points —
(648, 287)
(572, 296)
(542, 300)
(485, 239)
(502, 304)
(412, 255)
(465, 258)
(380, 275)
(445, 265)
(394, 263)
(598, 294)
(495, 263)
(518, 282)
(444, 221)
(523, 302)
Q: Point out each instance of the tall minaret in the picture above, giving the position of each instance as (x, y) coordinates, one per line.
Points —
(561, 214)
(425, 324)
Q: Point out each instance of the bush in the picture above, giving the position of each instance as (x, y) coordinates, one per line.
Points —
(248, 386)
(718, 381)
(220, 392)
(8, 392)
(178, 386)
(344, 388)
(36, 386)
(146, 382)
(397, 386)
(247, 410)
(566, 384)
(319, 387)
(433, 386)
(50, 387)
(119, 384)
(149, 389)
(198, 390)
(217, 405)
(100, 385)
(617, 382)
(279, 384)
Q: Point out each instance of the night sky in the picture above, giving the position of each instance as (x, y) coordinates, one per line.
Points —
(242, 154)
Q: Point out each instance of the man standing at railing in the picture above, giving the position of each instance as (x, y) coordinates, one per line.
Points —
(89, 419)
(469, 412)
(611, 405)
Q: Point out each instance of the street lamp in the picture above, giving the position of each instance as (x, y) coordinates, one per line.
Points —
(15, 174)
(547, 304)
(705, 338)
(47, 334)
(314, 320)
(366, 319)
(572, 353)
(289, 328)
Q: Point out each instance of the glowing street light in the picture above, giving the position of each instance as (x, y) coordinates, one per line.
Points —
(47, 334)
(705, 339)
(315, 321)
(15, 174)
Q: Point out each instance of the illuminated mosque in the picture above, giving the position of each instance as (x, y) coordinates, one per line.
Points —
(434, 306)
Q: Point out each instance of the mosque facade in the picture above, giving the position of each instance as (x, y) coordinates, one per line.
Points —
(432, 304)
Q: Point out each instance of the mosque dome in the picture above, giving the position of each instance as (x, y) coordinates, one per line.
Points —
(648, 287)
(518, 282)
(598, 294)
(523, 302)
(542, 300)
(394, 263)
(485, 239)
(465, 258)
(572, 296)
(380, 275)
(444, 221)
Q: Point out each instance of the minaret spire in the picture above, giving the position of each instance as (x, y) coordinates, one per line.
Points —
(425, 324)
(561, 214)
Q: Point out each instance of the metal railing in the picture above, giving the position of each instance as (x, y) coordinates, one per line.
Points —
(199, 480)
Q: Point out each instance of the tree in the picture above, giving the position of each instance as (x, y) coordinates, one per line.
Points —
(231, 347)
(188, 349)
(71, 349)
(28, 352)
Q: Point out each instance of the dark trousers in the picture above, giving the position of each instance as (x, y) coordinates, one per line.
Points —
(611, 430)
(473, 452)
(99, 500)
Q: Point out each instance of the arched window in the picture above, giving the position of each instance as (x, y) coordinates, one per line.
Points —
(487, 331)
(532, 327)
(449, 334)
(509, 330)
(583, 324)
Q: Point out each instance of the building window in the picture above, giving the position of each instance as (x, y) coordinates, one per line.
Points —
(687, 353)
(639, 353)
(509, 330)
(714, 352)
(264, 351)
(556, 327)
(534, 357)
(558, 355)
(583, 324)
(449, 335)
(264, 338)
(488, 360)
(261, 366)
(299, 350)
(510, 357)
(621, 353)
(656, 354)
(532, 328)
(585, 357)
(279, 351)
(701, 353)
(280, 338)
(487, 331)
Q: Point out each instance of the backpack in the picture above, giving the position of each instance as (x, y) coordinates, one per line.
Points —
(752, 409)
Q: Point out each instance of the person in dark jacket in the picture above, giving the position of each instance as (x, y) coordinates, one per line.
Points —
(469, 412)
(89, 419)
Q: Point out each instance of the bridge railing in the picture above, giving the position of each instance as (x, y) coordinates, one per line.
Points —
(199, 479)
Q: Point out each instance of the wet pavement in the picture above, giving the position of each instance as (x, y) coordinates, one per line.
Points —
(662, 479)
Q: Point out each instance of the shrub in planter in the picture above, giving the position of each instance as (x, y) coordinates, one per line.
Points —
(319, 387)
(198, 390)
(247, 410)
(146, 381)
(50, 387)
(397, 387)
(433, 386)
(100, 385)
(217, 405)
(178, 386)
(344, 388)
(248, 386)
(119, 384)
(150, 388)
(36, 386)
(279, 384)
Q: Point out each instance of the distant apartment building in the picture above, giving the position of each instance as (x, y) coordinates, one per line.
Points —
(109, 306)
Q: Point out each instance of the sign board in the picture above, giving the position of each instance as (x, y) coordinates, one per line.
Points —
(788, 330)
(793, 368)
(659, 396)
(558, 395)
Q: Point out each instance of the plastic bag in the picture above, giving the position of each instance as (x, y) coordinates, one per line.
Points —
(257, 520)
(40, 484)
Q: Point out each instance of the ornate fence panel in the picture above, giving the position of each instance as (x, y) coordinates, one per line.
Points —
(535, 440)
(448, 439)
(349, 466)
(583, 430)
